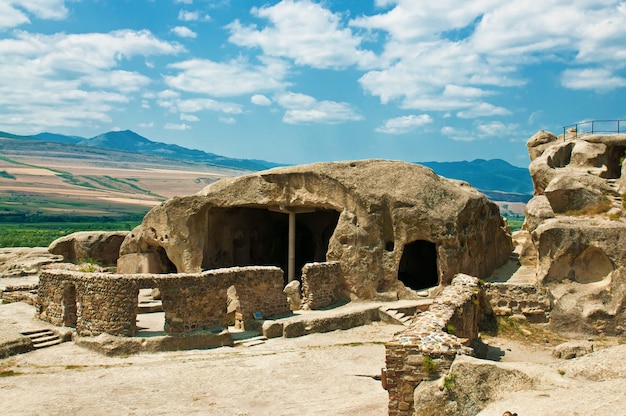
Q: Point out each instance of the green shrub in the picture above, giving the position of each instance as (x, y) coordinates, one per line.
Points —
(429, 365)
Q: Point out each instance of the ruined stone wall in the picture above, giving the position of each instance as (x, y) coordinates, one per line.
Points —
(260, 289)
(100, 303)
(193, 301)
(100, 312)
(507, 299)
(50, 296)
(425, 350)
(321, 284)
(107, 303)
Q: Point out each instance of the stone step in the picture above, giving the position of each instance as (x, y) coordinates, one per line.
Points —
(251, 342)
(42, 338)
(397, 316)
(50, 343)
(34, 332)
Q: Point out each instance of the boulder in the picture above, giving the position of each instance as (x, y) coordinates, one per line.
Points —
(576, 192)
(294, 296)
(98, 246)
(586, 154)
(579, 249)
(537, 210)
(539, 142)
(572, 349)
(468, 387)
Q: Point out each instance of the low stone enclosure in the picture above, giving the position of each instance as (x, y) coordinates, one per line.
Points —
(96, 303)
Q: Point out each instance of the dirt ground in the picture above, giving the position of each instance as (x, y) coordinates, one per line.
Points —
(334, 373)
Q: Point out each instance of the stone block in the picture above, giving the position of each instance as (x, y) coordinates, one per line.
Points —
(272, 329)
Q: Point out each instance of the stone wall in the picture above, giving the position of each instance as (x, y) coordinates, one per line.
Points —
(507, 299)
(321, 284)
(107, 303)
(427, 348)
(260, 290)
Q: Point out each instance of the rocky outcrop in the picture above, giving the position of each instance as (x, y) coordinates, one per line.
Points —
(23, 261)
(576, 222)
(393, 227)
(99, 246)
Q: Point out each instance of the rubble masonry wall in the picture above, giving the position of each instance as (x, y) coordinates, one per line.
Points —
(107, 303)
(427, 348)
(321, 284)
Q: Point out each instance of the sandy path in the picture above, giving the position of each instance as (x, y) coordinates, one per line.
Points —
(314, 375)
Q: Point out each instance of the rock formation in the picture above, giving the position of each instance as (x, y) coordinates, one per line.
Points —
(22, 261)
(98, 246)
(393, 227)
(577, 228)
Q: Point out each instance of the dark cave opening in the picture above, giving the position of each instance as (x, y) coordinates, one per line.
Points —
(418, 265)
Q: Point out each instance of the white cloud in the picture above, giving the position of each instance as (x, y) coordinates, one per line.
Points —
(193, 105)
(12, 13)
(227, 79)
(71, 79)
(496, 128)
(305, 32)
(459, 135)
(260, 99)
(184, 32)
(424, 67)
(483, 110)
(188, 117)
(591, 79)
(410, 20)
(404, 124)
(147, 125)
(188, 16)
(303, 108)
(481, 131)
(174, 126)
(227, 120)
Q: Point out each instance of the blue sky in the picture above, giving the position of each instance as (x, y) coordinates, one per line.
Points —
(299, 81)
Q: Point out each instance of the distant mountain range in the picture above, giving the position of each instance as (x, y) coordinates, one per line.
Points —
(496, 178)
(129, 141)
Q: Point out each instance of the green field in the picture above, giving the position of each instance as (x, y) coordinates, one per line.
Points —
(41, 234)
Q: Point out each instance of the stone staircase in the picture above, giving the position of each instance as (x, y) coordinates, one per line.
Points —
(391, 315)
(42, 338)
(616, 199)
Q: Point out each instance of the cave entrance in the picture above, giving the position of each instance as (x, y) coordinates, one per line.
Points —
(70, 311)
(242, 236)
(615, 157)
(418, 265)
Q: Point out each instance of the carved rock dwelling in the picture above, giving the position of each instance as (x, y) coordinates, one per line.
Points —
(393, 227)
(366, 229)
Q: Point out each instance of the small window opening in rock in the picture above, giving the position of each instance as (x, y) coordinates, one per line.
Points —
(70, 311)
(418, 265)
(389, 246)
(150, 315)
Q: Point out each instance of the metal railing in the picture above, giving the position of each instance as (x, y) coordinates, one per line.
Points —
(595, 127)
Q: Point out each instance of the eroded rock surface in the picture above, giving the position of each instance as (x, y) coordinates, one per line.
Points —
(392, 226)
(25, 261)
(576, 222)
(100, 246)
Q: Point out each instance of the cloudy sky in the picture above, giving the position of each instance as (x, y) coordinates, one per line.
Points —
(298, 81)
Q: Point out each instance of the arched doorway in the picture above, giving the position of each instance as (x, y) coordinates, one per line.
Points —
(418, 265)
